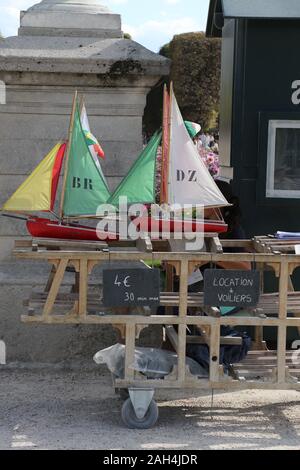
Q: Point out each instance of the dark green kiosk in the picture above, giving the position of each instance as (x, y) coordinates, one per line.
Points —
(260, 108)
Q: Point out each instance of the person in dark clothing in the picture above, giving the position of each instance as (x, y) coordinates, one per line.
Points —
(232, 215)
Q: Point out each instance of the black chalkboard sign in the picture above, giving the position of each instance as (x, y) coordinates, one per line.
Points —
(131, 287)
(224, 288)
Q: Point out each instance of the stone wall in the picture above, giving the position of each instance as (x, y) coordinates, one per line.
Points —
(42, 67)
(36, 117)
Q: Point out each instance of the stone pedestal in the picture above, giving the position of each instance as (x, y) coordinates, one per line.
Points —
(81, 18)
(63, 46)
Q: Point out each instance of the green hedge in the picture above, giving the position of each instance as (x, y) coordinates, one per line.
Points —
(196, 74)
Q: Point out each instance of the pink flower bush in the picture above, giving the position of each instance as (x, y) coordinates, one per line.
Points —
(210, 158)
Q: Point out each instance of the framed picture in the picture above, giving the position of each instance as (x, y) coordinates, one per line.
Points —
(279, 158)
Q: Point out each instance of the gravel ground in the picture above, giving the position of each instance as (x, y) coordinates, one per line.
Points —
(56, 409)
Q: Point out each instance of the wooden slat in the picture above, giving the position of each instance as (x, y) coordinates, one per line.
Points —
(164, 320)
(181, 351)
(281, 351)
(130, 351)
(224, 340)
(83, 287)
(214, 352)
(69, 244)
(55, 288)
(184, 274)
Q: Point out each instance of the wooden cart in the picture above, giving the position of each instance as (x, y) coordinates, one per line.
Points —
(262, 369)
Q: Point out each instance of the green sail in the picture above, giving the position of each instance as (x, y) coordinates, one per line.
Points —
(139, 185)
(85, 187)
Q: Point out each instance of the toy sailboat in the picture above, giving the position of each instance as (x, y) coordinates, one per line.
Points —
(185, 180)
(84, 185)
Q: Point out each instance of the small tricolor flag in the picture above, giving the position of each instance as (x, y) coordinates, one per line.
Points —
(193, 128)
(93, 142)
(95, 147)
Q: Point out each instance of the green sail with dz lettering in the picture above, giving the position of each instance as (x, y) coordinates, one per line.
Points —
(139, 184)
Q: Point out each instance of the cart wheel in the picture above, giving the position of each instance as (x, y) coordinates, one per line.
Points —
(131, 420)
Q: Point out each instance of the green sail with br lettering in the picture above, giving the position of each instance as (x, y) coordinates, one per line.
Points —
(85, 187)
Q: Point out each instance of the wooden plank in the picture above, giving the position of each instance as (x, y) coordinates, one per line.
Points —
(214, 352)
(259, 342)
(183, 289)
(70, 244)
(204, 384)
(83, 288)
(162, 320)
(130, 351)
(197, 258)
(261, 368)
(183, 305)
(23, 243)
(169, 285)
(245, 244)
(283, 289)
(283, 248)
(281, 351)
(50, 279)
(55, 287)
(95, 301)
(181, 352)
(225, 340)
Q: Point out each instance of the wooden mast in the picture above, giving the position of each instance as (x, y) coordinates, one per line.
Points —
(81, 104)
(169, 141)
(61, 212)
(165, 148)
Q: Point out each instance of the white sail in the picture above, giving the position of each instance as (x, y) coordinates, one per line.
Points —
(189, 181)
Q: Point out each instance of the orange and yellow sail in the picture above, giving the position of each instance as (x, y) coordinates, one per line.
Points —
(38, 192)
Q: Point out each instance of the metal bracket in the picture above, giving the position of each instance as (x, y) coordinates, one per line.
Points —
(141, 399)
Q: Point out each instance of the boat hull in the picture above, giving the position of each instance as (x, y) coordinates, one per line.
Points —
(46, 228)
(152, 225)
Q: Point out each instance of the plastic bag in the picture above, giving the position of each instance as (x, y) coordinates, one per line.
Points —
(153, 363)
